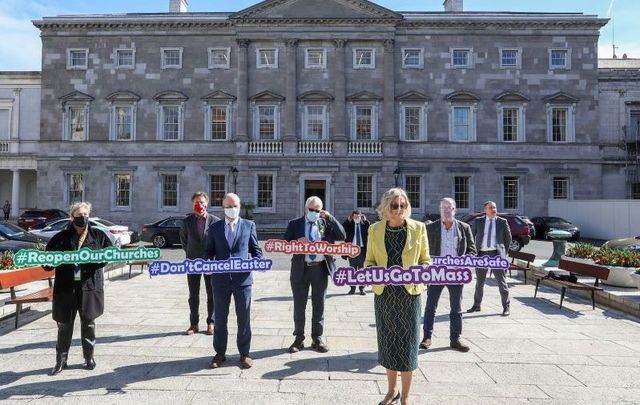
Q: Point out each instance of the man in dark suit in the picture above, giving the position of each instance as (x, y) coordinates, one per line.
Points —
(493, 237)
(356, 227)
(447, 236)
(193, 236)
(233, 237)
(311, 271)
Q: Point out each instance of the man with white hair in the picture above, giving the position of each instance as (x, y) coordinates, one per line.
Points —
(311, 271)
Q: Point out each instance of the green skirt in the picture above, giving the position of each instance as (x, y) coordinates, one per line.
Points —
(398, 326)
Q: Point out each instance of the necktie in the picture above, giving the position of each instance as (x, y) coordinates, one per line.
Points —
(229, 234)
(358, 235)
(489, 238)
(312, 238)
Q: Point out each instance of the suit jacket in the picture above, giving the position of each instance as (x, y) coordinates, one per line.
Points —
(350, 232)
(466, 243)
(503, 234)
(192, 243)
(330, 231)
(245, 244)
(416, 251)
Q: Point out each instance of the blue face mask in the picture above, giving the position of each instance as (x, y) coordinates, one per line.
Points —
(312, 216)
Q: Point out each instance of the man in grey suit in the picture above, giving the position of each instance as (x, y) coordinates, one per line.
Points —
(311, 271)
(447, 236)
(493, 238)
(193, 236)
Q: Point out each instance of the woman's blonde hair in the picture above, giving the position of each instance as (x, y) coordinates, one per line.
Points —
(80, 204)
(385, 205)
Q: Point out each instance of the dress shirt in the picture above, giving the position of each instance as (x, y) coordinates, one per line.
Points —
(449, 240)
(489, 241)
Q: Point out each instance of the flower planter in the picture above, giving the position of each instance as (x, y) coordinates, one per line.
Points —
(621, 277)
(636, 279)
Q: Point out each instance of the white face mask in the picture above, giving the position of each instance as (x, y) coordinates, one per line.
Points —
(232, 212)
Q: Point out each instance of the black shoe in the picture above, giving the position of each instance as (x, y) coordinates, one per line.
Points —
(352, 291)
(89, 364)
(61, 364)
(506, 312)
(362, 292)
(319, 345)
(297, 345)
(473, 309)
(426, 343)
(459, 346)
(394, 400)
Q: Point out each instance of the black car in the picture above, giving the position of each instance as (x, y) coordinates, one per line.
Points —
(163, 233)
(545, 224)
(13, 232)
(14, 245)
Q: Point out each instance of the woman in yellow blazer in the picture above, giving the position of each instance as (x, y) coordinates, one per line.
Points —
(397, 240)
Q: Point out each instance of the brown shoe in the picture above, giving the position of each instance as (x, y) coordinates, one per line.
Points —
(246, 362)
(217, 360)
(192, 329)
(210, 329)
(459, 346)
(319, 345)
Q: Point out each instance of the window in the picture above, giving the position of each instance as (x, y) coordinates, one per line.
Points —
(315, 117)
(125, 58)
(510, 124)
(412, 185)
(171, 58)
(560, 188)
(169, 191)
(265, 191)
(633, 134)
(219, 125)
(122, 191)
(267, 58)
(75, 188)
(267, 122)
(364, 123)
(217, 189)
(559, 125)
(511, 192)
(219, 58)
(635, 191)
(509, 58)
(364, 58)
(461, 58)
(364, 191)
(123, 123)
(171, 122)
(77, 59)
(462, 192)
(77, 123)
(412, 123)
(412, 58)
(461, 123)
(315, 58)
(559, 59)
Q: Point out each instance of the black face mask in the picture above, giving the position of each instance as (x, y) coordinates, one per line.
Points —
(81, 221)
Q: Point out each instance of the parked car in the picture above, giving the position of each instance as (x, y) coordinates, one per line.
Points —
(118, 234)
(519, 229)
(33, 217)
(545, 224)
(163, 233)
(632, 243)
(14, 245)
(13, 232)
(532, 228)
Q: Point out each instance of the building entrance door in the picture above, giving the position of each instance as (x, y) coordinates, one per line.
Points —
(316, 188)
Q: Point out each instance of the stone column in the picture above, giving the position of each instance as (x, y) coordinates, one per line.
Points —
(15, 193)
(290, 103)
(388, 104)
(242, 117)
(339, 88)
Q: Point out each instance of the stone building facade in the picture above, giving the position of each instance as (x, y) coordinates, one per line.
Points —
(337, 98)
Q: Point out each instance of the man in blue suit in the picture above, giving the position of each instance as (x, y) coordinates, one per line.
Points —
(233, 237)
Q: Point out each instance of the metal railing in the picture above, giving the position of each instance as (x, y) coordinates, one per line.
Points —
(365, 148)
(315, 147)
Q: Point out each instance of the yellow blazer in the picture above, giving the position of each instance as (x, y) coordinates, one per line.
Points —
(416, 251)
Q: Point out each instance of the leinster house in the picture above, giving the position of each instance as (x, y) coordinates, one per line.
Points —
(336, 98)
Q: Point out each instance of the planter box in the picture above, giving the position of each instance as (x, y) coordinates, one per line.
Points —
(636, 279)
(621, 277)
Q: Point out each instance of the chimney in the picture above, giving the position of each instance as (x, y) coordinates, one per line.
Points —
(453, 6)
(178, 6)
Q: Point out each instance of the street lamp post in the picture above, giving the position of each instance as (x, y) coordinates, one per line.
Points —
(396, 175)
(234, 173)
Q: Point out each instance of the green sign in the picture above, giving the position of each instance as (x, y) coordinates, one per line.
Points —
(33, 257)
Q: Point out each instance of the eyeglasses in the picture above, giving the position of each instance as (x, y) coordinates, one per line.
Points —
(313, 209)
(395, 206)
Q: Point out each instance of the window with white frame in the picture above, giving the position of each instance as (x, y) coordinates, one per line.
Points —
(125, 58)
(171, 122)
(265, 191)
(219, 58)
(77, 58)
(412, 123)
(267, 122)
(77, 121)
(462, 124)
(412, 58)
(169, 190)
(217, 189)
(315, 127)
(560, 187)
(267, 58)
(511, 124)
(364, 191)
(171, 58)
(511, 192)
(461, 58)
(413, 187)
(364, 58)
(462, 192)
(315, 58)
(219, 124)
(122, 189)
(364, 123)
(509, 58)
(559, 124)
(75, 188)
(123, 122)
(559, 59)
